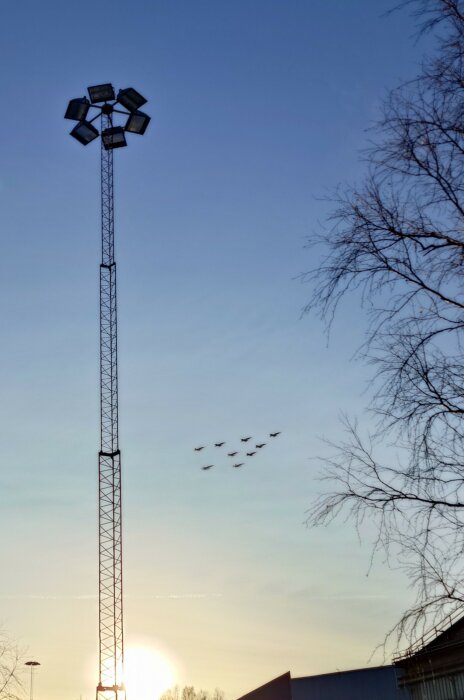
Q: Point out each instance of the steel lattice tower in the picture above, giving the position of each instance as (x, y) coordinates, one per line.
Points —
(109, 461)
(111, 636)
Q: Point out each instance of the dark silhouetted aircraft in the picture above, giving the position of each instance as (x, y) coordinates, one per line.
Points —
(274, 434)
(239, 465)
(208, 466)
(219, 444)
(197, 449)
(232, 454)
(250, 454)
(260, 446)
(245, 439)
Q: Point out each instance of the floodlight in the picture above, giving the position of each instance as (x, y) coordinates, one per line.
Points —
(101, 93)
(77, 109)
(113, 138)
(137, 122)
(130, 99)
(84, 132)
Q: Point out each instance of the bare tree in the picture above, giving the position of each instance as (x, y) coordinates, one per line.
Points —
(10, 684)
(397, 243)
(171, 694)
(188, 692)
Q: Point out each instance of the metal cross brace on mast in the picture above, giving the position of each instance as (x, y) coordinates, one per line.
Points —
(111, 637)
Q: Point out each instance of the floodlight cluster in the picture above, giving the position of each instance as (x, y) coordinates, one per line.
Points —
(102, 98)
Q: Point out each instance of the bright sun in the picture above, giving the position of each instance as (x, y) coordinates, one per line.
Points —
(148, 673)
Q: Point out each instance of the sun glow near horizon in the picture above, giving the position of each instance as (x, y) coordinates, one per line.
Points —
(148, 673)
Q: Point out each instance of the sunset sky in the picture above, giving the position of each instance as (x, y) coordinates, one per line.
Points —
(259, 108)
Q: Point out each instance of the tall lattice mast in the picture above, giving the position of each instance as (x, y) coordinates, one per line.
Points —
(111, 637)
(109, 462)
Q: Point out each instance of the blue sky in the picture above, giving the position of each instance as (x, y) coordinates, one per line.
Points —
(258, 108)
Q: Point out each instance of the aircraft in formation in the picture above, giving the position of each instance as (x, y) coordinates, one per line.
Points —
(251, 453)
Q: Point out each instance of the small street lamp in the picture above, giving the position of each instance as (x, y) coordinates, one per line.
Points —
(33, 665)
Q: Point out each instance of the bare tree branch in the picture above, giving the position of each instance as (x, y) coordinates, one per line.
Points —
(397, 242)
(188, 692)
(10, 662)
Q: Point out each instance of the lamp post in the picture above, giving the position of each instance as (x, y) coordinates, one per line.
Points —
(104, 104)
(32, 665)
